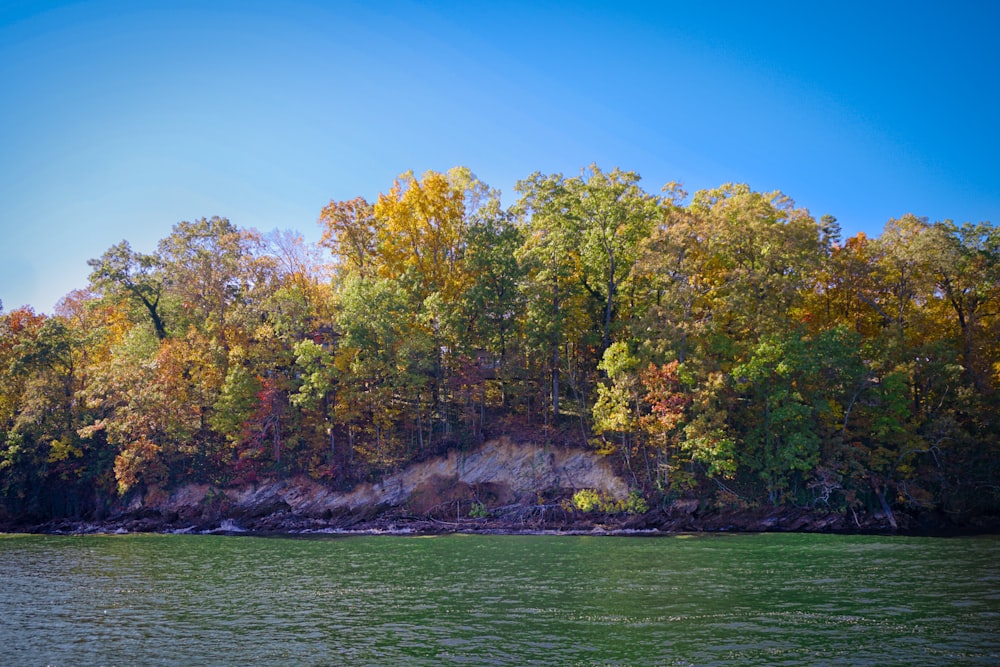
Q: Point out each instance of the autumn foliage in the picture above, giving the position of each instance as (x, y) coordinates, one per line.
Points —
(724, 345)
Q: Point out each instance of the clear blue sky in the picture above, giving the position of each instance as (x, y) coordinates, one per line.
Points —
(120, 119)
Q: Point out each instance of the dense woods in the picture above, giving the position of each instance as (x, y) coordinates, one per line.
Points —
(723, 345)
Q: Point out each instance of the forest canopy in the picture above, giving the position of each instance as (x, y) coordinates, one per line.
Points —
(723, 345)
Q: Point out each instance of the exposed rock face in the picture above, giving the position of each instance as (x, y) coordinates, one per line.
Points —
(499, 472)
(437, 496)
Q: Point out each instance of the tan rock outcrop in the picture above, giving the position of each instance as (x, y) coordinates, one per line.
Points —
(505, 470)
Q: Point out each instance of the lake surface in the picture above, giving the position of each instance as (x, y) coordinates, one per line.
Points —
(768, 599)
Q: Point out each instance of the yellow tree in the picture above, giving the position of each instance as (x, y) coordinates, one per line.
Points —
(763, 253)
(421, 231)
(847, 289)
(680, 270)
(903, 270)
(422, 237)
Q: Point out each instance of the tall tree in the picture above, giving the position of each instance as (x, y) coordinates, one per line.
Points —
(764, 253)
(965, 264)
(205, 267)
(553, 292)
(612, 215)
(121, 270)
(492, 302)
(903, 276)
(350, 231)
(421, 232)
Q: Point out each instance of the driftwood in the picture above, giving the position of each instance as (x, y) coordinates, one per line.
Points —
(516, 515)
(531, 514)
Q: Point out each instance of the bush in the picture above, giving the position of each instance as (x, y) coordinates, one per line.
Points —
(588, 500)
(635, 503)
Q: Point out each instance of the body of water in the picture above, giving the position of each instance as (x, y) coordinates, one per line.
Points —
(769, 599)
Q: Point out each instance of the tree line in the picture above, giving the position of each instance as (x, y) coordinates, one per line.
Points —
(723, 345)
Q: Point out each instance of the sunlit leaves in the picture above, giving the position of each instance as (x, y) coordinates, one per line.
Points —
(350, 232)
(421, 233)
(134, 276)
(724, 340)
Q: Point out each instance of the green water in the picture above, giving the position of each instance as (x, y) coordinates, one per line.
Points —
(488, 600)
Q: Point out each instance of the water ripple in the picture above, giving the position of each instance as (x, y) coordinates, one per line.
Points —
(541, 600)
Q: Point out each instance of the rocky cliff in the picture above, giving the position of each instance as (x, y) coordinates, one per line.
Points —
(500, 473)
(503, 486)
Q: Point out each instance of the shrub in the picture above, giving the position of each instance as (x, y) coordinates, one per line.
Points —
(635, 503)
(588, 500)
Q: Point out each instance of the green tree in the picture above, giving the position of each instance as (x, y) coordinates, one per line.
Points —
(136, 276)
(493, 304)
(389, 363)
(554, 297)
(205, 270)
(611, 215)
(350, 231)
(616, 410)
(798, 395)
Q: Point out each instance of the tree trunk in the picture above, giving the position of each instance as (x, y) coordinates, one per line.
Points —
(885, 508)
(420, 426)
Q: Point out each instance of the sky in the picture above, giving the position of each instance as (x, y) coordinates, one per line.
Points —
(119, 119)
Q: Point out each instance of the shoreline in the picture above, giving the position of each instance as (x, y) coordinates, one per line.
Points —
(657, 523)
(503, 487)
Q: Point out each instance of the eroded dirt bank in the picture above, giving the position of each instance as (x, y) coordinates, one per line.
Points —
(502, 487)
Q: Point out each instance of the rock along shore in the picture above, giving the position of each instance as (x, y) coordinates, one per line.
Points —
(514, 488)
(527, 520)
